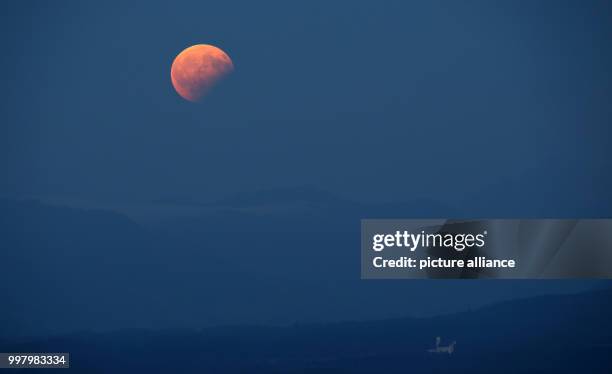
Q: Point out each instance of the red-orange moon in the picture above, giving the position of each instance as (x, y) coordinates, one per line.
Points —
(197, 69)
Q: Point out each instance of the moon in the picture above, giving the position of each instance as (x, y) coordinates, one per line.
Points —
(197, 69)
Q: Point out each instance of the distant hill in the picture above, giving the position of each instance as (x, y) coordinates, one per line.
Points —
(302, 198)
(278, 196)
(547, 334)
(64, 269)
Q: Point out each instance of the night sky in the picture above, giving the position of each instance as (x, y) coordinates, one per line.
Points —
(378, 103)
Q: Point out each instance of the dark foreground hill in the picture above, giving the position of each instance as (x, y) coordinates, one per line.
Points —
(547, 334)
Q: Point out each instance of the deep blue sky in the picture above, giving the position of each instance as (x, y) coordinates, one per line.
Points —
(372, 101)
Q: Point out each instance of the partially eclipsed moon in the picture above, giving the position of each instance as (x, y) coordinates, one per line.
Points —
(197, 69)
